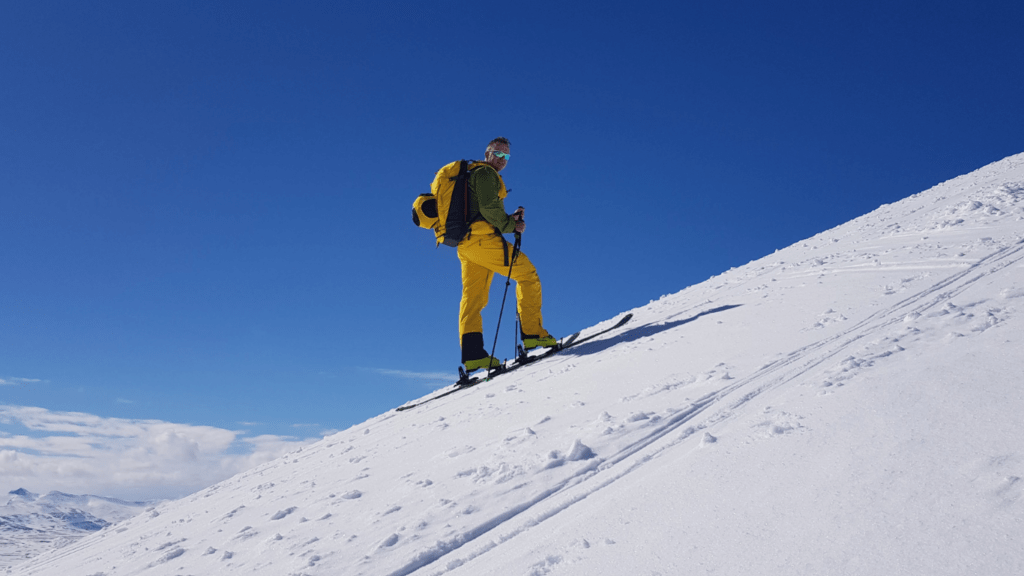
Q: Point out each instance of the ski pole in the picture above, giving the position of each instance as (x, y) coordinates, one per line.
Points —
(508, 281)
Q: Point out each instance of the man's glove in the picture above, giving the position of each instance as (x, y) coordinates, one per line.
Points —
(518, 217)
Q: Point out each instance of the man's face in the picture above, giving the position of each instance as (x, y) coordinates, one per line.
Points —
(496, 162)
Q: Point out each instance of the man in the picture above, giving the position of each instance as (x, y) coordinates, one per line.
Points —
(484, 251)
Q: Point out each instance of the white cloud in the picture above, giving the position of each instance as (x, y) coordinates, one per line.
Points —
(431, 376)
(136, 459)
(18, 381)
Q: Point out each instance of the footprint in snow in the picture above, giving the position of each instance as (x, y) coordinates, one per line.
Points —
(169, 556)
(780, 424)
(282, 513)
(707, 439)
(389, 541)
(579, 451)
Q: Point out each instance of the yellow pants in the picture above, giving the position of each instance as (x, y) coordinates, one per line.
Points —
(482, 255)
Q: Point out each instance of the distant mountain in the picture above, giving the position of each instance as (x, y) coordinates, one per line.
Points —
(31, 524)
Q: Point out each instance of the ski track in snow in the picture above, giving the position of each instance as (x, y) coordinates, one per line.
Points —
(464, 489)
(604, 472)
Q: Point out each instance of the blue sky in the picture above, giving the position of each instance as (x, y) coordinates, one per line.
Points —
(205, 206)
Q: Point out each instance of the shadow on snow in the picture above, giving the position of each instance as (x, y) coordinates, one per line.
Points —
(639, 332)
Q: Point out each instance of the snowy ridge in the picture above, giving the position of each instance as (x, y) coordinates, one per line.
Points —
(849, 405)
(31, 524)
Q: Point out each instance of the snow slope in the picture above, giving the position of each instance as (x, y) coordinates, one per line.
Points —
(848, 405)
(31, 524)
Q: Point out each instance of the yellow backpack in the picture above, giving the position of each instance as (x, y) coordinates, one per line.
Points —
(446, 208)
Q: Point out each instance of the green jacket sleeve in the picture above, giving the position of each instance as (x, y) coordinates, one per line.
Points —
(484, 182)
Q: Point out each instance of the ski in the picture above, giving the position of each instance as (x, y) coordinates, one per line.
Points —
(523, 359)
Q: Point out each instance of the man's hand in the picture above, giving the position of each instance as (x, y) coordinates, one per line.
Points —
(518, 217)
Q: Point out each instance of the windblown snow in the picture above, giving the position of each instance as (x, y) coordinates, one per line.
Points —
(851, 404)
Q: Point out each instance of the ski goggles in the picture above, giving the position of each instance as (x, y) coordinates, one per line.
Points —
(500, 154)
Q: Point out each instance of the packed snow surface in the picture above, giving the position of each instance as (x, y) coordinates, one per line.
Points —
(849, 405)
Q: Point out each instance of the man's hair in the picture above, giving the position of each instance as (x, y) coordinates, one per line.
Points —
(499, 140)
